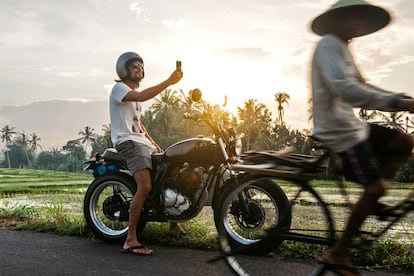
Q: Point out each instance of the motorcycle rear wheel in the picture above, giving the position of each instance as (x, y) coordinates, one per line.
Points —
(106, 205)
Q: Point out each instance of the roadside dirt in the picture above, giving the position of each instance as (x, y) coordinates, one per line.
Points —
(9, 223)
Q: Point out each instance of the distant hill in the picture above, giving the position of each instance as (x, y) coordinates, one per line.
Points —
(56, 122)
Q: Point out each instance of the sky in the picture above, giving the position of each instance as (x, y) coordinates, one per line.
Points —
(242, 49)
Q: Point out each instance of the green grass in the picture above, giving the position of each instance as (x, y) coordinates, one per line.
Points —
(20, 212)
(18, 181)
(51, 201)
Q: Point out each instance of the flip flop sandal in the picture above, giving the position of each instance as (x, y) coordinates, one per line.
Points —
(130, 250)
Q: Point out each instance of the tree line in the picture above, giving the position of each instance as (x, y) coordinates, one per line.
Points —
(164, 121)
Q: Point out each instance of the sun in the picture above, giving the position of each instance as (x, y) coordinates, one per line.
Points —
(236, 80)
(220, 79)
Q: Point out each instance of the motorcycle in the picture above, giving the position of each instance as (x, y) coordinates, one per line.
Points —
(190, 175)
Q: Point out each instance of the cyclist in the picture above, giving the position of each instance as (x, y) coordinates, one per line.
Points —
(371, 154)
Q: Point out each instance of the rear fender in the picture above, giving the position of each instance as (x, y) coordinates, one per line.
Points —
(101, 168)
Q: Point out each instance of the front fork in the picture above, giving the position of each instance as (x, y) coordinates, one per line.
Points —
(243, 196)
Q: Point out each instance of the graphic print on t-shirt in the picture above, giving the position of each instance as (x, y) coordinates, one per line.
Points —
(137, 118)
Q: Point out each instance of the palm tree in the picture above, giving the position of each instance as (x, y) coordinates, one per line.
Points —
(166, 100)
(185, 100)
(107, 135)
(6, 134)
(87, 136)
(23, 143)
(33, 142)
(281, 98)
(409, 123)
(165, 110)
(368, 116)
(250, 117)
(395, 120)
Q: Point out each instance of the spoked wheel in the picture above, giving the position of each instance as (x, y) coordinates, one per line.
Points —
(106, 206)
(244, 213)
(311, 219)
(305, 219)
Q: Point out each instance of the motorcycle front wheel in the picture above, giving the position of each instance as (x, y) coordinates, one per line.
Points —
(244, 212)
(106, 206)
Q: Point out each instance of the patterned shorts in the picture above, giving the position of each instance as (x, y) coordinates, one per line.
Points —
(365, 162)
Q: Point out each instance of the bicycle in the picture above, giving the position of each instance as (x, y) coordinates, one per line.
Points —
(313, 219)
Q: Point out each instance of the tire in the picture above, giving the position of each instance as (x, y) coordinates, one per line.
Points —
(105, 213)
(266, 203)
(310, 222)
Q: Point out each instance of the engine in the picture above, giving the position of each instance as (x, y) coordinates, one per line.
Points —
(174, 202)
(182, 187)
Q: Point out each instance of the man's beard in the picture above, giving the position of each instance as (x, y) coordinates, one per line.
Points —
(136, 80)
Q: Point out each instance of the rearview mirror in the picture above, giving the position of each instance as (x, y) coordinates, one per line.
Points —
(195, 95)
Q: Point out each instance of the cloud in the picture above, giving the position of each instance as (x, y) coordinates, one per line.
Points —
(245, 53)
(381, 54)
(138, 9)
(4, 121)
(56, 122)
(401, 79)
(68, 49)
(177, 24)
(76, 73)
(405, 9)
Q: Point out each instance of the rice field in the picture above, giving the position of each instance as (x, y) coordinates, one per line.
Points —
(43, 190)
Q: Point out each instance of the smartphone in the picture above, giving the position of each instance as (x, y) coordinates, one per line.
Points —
(178, 64)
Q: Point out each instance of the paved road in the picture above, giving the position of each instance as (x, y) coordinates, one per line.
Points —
(30, 253)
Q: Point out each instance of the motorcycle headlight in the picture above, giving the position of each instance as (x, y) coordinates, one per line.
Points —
(238, 145)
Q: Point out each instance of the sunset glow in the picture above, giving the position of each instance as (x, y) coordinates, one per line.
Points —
(67, 50)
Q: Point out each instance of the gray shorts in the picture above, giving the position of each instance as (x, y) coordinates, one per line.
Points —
(136, 155)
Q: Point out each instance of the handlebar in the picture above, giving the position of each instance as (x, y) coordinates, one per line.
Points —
(215, 125)
(204, 117)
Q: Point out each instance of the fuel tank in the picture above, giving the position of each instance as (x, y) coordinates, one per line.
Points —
(193, 150)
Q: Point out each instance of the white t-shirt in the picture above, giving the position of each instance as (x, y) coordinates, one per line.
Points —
(125, 117)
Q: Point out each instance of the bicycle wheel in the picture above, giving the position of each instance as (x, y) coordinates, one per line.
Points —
(311, 223)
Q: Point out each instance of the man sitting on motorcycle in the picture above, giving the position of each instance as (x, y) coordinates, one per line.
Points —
(130, 137)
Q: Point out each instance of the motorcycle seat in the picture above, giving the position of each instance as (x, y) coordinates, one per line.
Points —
(111, 154)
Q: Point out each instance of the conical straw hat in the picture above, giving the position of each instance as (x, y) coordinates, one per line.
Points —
(375, 16)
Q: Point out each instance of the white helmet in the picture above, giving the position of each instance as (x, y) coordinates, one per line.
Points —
(122, 61)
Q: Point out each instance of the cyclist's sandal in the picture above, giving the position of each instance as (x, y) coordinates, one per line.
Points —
(326, 264)
(382, 211)
(338, 269)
